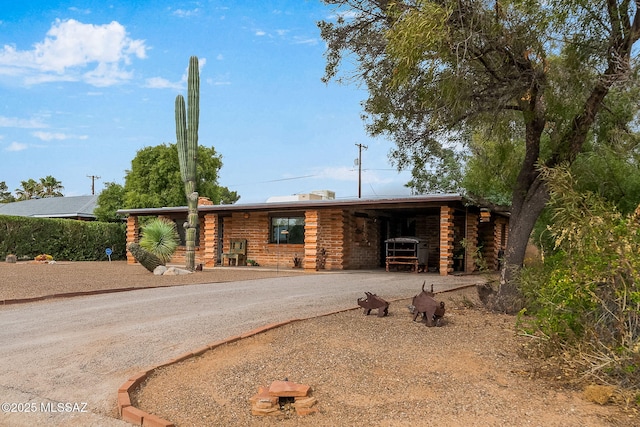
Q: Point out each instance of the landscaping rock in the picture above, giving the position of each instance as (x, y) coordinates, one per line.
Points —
(159, 270)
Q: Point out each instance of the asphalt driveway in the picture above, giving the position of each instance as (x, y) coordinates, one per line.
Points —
(63, 360)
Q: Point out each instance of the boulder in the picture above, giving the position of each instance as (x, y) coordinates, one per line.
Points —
(159, 270)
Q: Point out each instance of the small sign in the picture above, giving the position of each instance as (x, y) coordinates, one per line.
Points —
(108, 251)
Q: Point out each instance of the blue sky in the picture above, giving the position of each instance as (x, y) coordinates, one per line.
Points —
(85, 84)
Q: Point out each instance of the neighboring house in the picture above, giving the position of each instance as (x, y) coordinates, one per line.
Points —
(341, 234)
(76, 207)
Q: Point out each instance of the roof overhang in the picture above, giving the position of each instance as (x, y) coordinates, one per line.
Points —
(392, 203)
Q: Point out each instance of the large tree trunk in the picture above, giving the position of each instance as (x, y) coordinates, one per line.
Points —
(529, 199)
(509, 298)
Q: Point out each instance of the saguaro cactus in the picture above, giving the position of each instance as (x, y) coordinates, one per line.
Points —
(187, 141)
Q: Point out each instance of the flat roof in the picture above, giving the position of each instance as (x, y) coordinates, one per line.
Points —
(364, 203)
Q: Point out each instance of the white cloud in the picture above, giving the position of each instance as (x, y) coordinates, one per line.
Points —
(220, 57)
(344, 173)
(81, 11)
(69, 48)
(260, 33)
(162, 83)
(14, 122)
(16, 146)
(182, 13)
(50, 136)
(308, 41)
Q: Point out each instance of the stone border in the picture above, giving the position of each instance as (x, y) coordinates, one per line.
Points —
(136, 416)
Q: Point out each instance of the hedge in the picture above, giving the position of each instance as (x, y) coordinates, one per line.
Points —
(64, 239)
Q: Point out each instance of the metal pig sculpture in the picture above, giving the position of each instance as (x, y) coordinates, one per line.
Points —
(424, 303)
(373, 301)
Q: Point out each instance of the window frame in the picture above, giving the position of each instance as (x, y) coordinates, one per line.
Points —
(294, 223)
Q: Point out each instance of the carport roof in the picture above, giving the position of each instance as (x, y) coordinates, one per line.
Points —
(410, 202)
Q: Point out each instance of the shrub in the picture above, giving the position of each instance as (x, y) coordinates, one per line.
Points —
(586, 298)
(160, 237)
(63, 239)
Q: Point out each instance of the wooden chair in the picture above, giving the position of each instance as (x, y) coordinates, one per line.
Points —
(237, 252)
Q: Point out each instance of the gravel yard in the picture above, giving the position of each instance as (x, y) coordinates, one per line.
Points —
(363, 370)
(390, 371)
(25, 280)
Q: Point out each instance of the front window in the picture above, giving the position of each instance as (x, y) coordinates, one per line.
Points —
(287, 230)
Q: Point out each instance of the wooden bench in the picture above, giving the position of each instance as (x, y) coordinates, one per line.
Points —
(237, 252)
(403, 260)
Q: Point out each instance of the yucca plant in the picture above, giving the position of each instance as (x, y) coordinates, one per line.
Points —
(160, 237)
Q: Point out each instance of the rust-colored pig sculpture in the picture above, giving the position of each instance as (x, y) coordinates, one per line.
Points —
(424, 303)
(373, 301)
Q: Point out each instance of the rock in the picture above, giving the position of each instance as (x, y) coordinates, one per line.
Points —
(173, 271)
(11, 259)
(159, 270)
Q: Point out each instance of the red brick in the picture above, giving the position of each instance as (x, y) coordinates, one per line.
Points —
(288, 389)
(179, 359)
(137, 379)
(129, 385)
(201, 351)
(133, 415)
(123, 401)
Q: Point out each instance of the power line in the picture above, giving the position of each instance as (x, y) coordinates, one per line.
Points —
(93, 183)
(360, 147)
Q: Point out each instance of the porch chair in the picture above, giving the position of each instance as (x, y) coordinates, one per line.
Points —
(237, 252)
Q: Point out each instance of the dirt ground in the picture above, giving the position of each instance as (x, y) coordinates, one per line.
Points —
(389, 371)
(30, 279)
(474, 370)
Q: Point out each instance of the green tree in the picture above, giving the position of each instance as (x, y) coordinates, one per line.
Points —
(50, 187)
(553, 75)
(109, 201)
(29, 190)
(5, 194)
(154, 178)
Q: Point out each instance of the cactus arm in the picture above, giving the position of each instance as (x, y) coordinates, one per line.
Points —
(181, 136)
(193, 118)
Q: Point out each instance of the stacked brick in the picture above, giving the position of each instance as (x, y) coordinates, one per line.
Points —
(267, 401)
(446, 240)
(310, 261)
(132, 236)
(210, 239)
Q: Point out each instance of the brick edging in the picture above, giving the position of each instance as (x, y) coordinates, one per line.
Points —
(133, 415)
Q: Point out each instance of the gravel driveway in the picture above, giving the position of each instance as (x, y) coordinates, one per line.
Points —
(63, 360)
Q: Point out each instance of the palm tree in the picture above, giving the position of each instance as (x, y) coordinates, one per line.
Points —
(51, 187)
(29, 190)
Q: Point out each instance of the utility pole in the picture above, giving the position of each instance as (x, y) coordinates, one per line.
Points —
(93, 183)
(360, 147)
